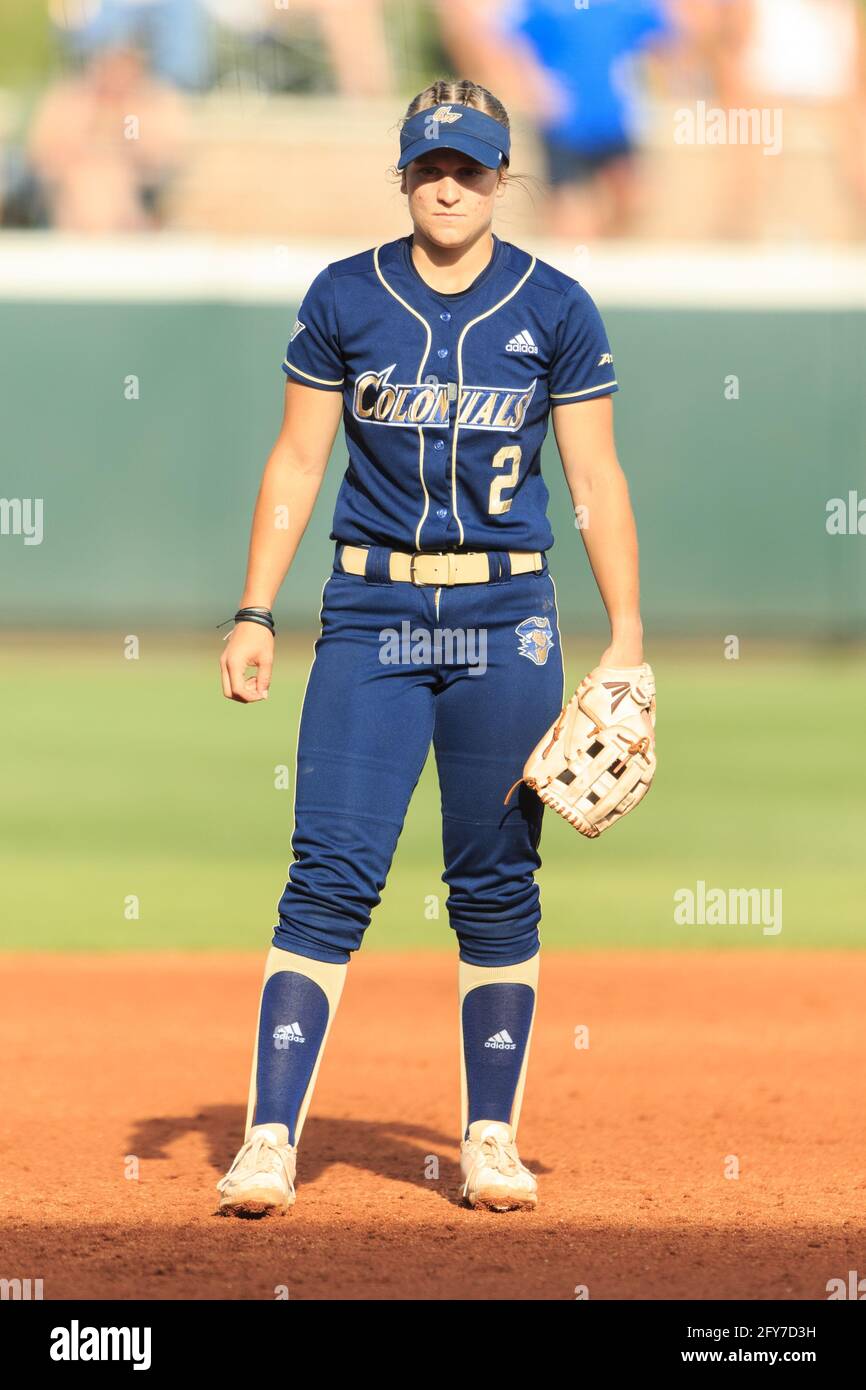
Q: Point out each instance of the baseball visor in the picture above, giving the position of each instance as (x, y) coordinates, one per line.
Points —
(455, 127)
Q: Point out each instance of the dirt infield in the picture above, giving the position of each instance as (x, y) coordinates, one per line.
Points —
(692, 1059)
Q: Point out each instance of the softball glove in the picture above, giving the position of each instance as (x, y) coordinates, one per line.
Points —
(598, 761)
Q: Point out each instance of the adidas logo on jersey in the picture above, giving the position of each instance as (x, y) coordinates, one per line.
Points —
(522, 342)
(286, 1033)
(501, 1042)
(604, 359)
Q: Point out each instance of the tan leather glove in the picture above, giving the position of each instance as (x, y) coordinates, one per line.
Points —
(598, 760)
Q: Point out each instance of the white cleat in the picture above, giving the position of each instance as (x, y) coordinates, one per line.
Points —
(262, 1177)
(495, 1179)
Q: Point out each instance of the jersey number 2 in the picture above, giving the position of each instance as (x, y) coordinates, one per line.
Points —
(511, 453)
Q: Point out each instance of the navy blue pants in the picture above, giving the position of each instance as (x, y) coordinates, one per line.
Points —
(482, 679)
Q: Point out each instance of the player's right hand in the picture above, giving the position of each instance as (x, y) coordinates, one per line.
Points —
(248, 645)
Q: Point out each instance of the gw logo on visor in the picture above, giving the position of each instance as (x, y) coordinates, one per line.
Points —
(446, 115)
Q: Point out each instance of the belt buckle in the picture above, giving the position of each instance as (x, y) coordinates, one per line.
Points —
(416, 555)
(447, 555)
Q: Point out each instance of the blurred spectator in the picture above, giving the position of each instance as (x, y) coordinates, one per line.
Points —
(696, 54)
(271, 44)
(353, 32)
(806, 58)
(103, 144)
(302, 45)
(574, 70)
(176, 34)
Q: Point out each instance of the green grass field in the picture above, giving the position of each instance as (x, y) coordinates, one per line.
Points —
(137, 778)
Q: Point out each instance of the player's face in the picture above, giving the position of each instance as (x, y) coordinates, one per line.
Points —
(451, 196)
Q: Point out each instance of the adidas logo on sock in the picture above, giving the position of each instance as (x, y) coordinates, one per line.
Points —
(501, 1041)
(522, 342)
(286, 1033)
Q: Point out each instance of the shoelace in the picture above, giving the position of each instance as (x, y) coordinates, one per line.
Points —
(250, 1156)
(504, 1155)
(494, 1153)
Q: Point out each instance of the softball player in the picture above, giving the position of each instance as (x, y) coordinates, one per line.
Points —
(443, 353)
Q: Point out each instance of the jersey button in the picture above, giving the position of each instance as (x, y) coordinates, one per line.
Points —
(443, 352)
(445, 316)
(442, 513)
(439, 444)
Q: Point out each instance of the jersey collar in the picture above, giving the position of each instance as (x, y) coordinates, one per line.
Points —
(420, 283)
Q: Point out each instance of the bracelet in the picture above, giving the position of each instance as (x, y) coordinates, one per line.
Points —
(257, 618)
(264, 616)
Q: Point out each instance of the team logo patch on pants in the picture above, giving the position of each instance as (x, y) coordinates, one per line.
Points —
(536, 639)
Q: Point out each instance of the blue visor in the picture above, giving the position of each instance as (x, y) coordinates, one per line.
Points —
(455, 127)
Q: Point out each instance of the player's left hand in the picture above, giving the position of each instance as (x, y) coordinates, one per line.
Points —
(625, 653)
(597, 762)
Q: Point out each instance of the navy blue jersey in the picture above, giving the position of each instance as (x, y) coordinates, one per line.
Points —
(446, 397)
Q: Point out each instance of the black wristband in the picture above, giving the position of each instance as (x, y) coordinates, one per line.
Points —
(256, 618)
(263, 616)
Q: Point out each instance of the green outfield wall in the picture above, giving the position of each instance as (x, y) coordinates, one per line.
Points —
(146, 502)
